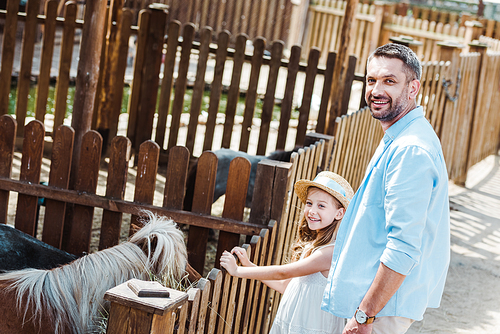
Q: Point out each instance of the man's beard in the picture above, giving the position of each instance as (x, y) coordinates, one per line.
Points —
(395, 108)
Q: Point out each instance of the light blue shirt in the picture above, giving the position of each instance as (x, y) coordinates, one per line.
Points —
(399, 216)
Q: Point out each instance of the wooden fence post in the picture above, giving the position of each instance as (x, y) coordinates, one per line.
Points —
(340, 70)
(87, 78)
(481, 48)
(8, 49)
(130, 313)
(449, 52)
(7, 141)
(28, 49)
(150, 76)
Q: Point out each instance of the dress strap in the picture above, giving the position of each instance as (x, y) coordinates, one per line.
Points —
(324, 246)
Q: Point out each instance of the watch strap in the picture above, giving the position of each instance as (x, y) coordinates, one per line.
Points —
(368, 320)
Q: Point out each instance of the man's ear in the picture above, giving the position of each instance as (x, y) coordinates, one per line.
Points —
(414, 87)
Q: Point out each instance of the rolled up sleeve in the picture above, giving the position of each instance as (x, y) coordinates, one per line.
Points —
(409, 185)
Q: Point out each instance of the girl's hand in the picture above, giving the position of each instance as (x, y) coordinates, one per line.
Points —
(242, 256)
(228, 262)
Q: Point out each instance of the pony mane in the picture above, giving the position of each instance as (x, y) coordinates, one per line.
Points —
(71, 297)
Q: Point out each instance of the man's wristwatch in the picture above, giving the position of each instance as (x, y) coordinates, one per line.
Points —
(362, 318)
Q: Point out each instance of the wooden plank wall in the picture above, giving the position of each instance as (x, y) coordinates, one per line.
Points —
(429, 33)
(486, 122)
(268, 19)
(325, 24)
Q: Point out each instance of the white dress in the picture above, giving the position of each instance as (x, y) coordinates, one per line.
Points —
(300, 310)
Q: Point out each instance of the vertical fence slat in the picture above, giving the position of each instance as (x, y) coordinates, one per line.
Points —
(257, 59)
(145, 182)
(216, 88)
(150, 79)
(255, 244)
(7, 142)
(31, 164)
(28, 49)
(42, 88)
(215, 278)
(241, 297)
(60, 167)
(286, 105)
(77, 240)
(194, 297)
(178, 161)
(268, 104)
(199, 86)
(180, 87)
(115, 188)
(65, 57)
(205, 287)
(325, 95)
(135, 89)
(234, 204)
(167, 82)
(8, 50)
(255, 317)
(234, 90)
(265, 303)
(111, 100)
(305, 108)
(262, 194)
(202, 203)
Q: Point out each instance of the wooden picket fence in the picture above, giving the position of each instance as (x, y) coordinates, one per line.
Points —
(218, 302)
(268, 19)
(251, 74)
(375, 24)
(325, 25)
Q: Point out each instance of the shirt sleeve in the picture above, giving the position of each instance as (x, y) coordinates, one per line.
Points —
(409, 181)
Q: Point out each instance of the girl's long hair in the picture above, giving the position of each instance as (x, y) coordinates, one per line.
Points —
(309, 240)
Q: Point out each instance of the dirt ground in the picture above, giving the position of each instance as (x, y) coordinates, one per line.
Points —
(472, 294)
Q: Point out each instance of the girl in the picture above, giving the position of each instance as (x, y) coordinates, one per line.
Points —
(303, 281)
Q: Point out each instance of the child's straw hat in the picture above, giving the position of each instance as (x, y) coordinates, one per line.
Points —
(330, 182)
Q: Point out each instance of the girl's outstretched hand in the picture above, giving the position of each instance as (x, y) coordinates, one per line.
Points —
(228, 262)
(242, 256)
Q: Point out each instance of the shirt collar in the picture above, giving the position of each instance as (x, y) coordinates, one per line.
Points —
(400, 125)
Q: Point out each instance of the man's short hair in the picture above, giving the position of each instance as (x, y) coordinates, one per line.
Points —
(412, 65)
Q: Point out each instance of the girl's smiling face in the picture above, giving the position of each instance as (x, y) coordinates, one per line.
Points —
(321, 209)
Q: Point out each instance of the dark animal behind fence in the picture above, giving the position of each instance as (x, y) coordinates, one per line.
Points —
(19, 250)
(224, 157)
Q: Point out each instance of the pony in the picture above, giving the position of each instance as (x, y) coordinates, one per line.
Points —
(70, 298)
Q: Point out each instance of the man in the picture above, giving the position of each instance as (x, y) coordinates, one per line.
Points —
(393, 247)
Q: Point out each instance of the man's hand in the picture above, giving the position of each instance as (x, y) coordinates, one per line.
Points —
(353, 327)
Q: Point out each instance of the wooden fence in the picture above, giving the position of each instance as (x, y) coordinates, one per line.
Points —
(224, 304)
(375, 24)
(251, 75)
(268, 19)
(218, 302)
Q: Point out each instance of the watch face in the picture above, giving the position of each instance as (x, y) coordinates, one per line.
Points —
(361, 317)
